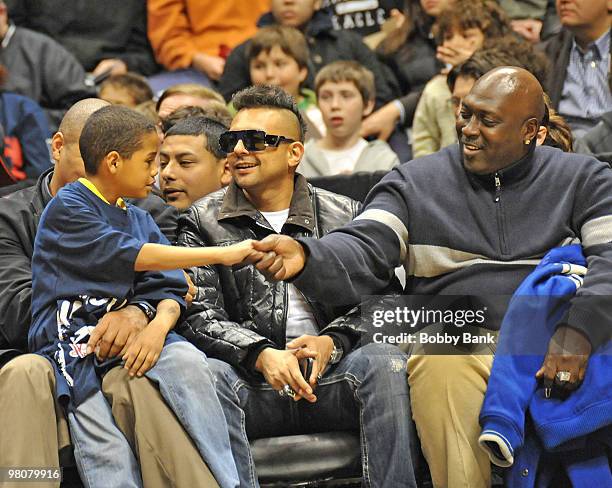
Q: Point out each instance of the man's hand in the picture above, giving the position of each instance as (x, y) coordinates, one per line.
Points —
(236, 253)
(191, 292)
(281, 367)
(115, 330)
(317, 347)
(568, 350)
(116, 67)
(144, 351)
(381, 123)
(211, 66)
(279, 257)
(530, 29)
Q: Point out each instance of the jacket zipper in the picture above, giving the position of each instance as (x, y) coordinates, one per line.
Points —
(501, 230)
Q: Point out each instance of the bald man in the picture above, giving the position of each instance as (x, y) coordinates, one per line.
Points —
(33, 428)
(472, 219)
(256, 333)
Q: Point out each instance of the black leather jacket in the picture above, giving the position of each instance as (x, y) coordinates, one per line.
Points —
(237, 312)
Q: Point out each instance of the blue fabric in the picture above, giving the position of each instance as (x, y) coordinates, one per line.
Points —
(26, 131)
(83, 267)
(562, 425)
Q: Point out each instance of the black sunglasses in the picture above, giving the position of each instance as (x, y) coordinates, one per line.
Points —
(253, 140)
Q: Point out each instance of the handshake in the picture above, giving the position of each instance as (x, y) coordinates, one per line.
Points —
(277, 257)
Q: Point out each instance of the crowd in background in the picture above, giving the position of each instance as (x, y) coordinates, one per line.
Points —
(54, 54)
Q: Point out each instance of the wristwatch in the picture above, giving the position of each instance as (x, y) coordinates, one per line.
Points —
(146, 308)
(337, 351)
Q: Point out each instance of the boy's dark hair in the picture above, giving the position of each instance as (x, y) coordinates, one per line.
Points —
(505, 51)
(485, 15)
(201, 126)
(268, 96)
(350, 71)
(291, 41)
(133, 83)
(214, 111)
(112, 128)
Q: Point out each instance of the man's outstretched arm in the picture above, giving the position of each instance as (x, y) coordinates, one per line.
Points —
(350, 262)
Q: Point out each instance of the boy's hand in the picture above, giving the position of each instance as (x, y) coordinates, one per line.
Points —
(114, 330)
(236, 253)
(454, 55)
(144, 351)
(191, 292)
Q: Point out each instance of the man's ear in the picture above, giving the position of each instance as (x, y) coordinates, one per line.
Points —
(226, 175)
(113, 162)
(57, 144)
(530, 130)
(295, 152)
(368, 108)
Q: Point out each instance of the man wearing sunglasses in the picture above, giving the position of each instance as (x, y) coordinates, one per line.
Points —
(258, 333)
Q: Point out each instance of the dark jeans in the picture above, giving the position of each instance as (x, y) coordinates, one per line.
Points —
(366, 390)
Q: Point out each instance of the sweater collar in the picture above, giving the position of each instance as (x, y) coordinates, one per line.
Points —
(301, 212)
(513, 172)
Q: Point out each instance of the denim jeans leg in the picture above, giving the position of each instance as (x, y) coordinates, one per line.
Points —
(102, 453)
(228, 383)
(377, 375)
(187, 385)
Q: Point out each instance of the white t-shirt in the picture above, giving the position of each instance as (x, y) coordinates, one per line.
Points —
(300, 318)
(344, 161)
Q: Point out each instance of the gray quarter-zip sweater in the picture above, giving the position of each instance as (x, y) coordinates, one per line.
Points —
(458, 233)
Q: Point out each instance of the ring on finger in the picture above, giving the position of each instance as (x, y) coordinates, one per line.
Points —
(288, 391)
(563, 376)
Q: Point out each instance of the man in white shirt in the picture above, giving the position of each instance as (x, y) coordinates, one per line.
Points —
(256, 333)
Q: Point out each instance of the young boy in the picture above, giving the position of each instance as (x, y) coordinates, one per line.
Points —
(94, 254)
(129, 89)
(278, 56)
(345, 94)
(192, 164)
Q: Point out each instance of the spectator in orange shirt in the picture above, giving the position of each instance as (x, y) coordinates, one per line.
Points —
(192, 38)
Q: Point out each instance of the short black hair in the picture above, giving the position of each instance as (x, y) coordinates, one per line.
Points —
(268, 96)
(112, 128)
(214, 111)
(201, 126)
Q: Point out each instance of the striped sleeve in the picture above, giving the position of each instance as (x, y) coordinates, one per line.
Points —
(360, 258)
(591, 308)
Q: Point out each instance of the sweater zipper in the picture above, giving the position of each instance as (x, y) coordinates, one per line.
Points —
(501, 228)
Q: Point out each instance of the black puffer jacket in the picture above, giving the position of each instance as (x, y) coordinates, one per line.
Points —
(236, 312)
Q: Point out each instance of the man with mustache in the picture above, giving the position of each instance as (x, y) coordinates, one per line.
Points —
(192, 164)
(471, 219)
(259, 332)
